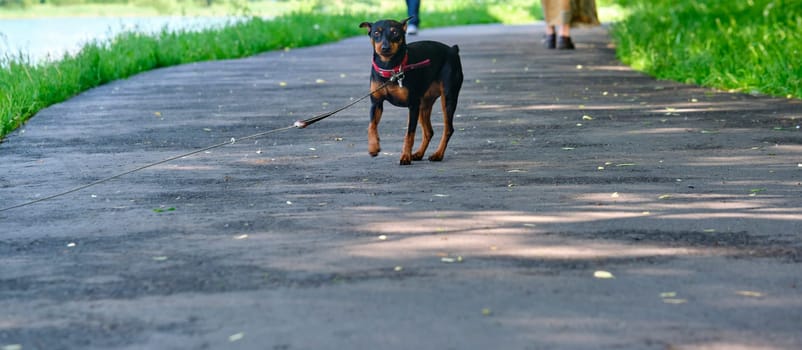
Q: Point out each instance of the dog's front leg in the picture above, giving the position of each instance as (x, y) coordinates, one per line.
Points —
(409, 139)
(373, 128)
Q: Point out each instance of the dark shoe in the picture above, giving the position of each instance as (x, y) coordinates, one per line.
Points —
(565, 43)
(550, 41)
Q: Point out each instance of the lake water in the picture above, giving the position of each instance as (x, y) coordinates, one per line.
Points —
(50, 38)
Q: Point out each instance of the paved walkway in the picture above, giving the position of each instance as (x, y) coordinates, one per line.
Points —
(566, 167)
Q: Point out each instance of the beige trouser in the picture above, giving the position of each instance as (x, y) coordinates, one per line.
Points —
(557, 12)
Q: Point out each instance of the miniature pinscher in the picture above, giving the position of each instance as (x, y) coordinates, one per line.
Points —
(419, 73)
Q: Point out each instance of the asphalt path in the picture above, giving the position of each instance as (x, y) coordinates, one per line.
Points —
(580, 205)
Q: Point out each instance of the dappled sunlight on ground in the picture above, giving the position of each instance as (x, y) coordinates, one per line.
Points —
(493, 233)
(723, 345)
(731, 161)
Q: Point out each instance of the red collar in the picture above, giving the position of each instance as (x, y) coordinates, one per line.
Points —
(403, 67)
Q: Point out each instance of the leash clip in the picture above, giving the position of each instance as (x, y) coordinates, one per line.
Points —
(399, 77)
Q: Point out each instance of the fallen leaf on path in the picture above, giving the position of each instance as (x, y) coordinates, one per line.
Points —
(235, 337)
(382, 238)
(487, 312)
(159, 258)
(450, 260)
(603, 274)
(753, 192)
(749, 293)
(587, 117)
(241, 237)
(615, 195)
(71, 244)
(398, 269)
(671, 298)
(675, 301)
(664, 196)
(12, 347)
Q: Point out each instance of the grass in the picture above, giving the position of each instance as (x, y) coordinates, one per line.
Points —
(753, 46)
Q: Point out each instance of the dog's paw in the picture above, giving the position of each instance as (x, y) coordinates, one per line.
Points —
(405, 160)
(417, 156)
(374, 150)
(436, 157)
(374, 146)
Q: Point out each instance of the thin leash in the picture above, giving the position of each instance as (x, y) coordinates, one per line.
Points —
(300, 124)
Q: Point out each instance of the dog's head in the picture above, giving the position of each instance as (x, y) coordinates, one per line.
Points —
(387, 36)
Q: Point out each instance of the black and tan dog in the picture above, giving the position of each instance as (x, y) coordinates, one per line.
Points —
(421, 72)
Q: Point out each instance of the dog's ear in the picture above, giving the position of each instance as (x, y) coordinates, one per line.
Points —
(366, 24)
(404, 22)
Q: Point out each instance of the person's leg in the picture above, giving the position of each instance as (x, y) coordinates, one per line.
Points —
(413, 10)
(565, 30)
(550, 39)
(565, 17)
(564, 41)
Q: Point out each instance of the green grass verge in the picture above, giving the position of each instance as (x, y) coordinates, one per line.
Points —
(752, 46)
(26, 88)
